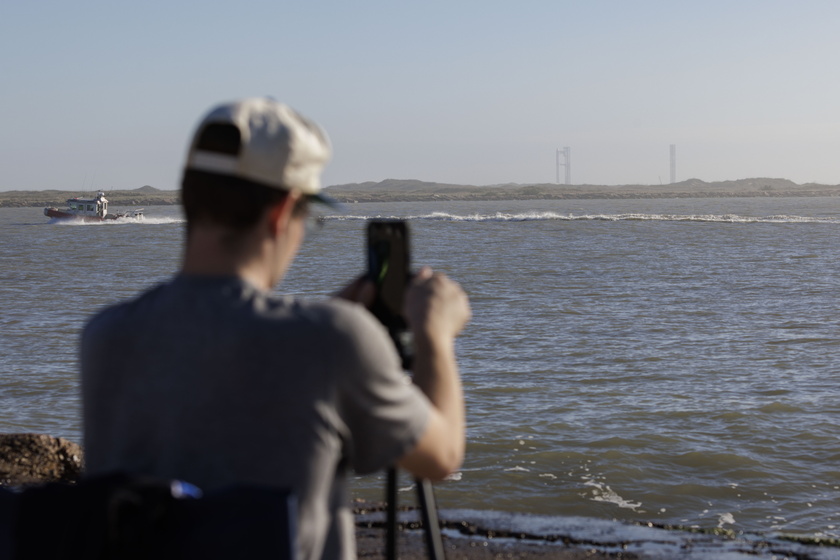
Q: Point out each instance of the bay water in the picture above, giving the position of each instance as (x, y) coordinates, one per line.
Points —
(663, 360)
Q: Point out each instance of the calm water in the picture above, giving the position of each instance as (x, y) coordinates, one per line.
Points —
(665, 360)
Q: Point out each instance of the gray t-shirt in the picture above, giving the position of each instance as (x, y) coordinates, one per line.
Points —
(212, 381)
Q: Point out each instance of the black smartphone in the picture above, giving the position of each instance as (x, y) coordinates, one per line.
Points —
(389, 268)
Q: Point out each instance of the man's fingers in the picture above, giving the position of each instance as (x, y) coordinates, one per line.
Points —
(360, 290)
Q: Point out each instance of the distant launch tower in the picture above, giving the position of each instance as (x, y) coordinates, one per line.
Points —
(567, 164)
(673, 163)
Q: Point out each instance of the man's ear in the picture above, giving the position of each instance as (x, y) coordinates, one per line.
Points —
(280, 214)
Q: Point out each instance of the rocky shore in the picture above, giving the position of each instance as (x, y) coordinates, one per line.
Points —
(38, 458)
(30, 459)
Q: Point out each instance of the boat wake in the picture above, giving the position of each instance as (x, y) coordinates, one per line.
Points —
(507, 217)
(142, 220)
(554, 216)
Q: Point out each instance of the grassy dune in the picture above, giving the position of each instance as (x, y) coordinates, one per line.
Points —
(392, 190)
(144, 196)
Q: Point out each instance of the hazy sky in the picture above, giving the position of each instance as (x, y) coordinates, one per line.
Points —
(105, 94)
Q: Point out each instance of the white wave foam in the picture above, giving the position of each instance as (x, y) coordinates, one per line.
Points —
(143, 220)
(603, 493)
(725, 518)
(549, 216)
(157, 221)
(615, 538)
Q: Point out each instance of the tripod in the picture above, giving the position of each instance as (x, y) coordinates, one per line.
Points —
(428, 513)
(425, 493)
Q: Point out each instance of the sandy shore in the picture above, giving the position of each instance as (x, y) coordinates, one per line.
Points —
(485, 535)
(629, 542)
(466, 538)
(411, 546)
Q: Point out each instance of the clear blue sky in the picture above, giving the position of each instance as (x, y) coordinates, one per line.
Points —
(104, 94)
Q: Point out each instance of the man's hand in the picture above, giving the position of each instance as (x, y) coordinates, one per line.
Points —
(436, 306)
(361, 290)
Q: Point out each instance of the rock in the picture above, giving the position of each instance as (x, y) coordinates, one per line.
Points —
(38, 458)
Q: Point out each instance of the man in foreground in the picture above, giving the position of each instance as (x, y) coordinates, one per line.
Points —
(210, 379)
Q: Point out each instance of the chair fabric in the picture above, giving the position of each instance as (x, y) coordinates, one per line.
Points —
(138, 518)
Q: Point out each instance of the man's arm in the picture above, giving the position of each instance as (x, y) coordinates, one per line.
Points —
(437, 310)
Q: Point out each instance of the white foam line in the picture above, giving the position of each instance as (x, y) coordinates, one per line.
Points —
(548, 216)
(644, 540)
(121, 222)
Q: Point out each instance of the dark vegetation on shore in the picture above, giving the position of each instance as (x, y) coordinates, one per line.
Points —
(144, 196)
(399, 190)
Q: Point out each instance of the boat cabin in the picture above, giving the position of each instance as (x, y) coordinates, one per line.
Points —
(93, 207)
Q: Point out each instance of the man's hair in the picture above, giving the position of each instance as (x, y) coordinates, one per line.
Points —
(225, 200)
(221, 200)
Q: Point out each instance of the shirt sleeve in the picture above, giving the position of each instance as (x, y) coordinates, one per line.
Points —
(384, 411)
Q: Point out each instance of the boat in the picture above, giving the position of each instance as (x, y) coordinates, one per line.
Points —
(90, 210)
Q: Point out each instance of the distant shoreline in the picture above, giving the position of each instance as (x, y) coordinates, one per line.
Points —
(395, 190)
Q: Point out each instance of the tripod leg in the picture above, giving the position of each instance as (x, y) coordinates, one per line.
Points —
(391, 515)
(428, 509)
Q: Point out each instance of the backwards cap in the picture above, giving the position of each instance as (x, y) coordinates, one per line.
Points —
(263, 141)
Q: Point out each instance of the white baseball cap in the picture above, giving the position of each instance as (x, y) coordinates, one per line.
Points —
(264, 141)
